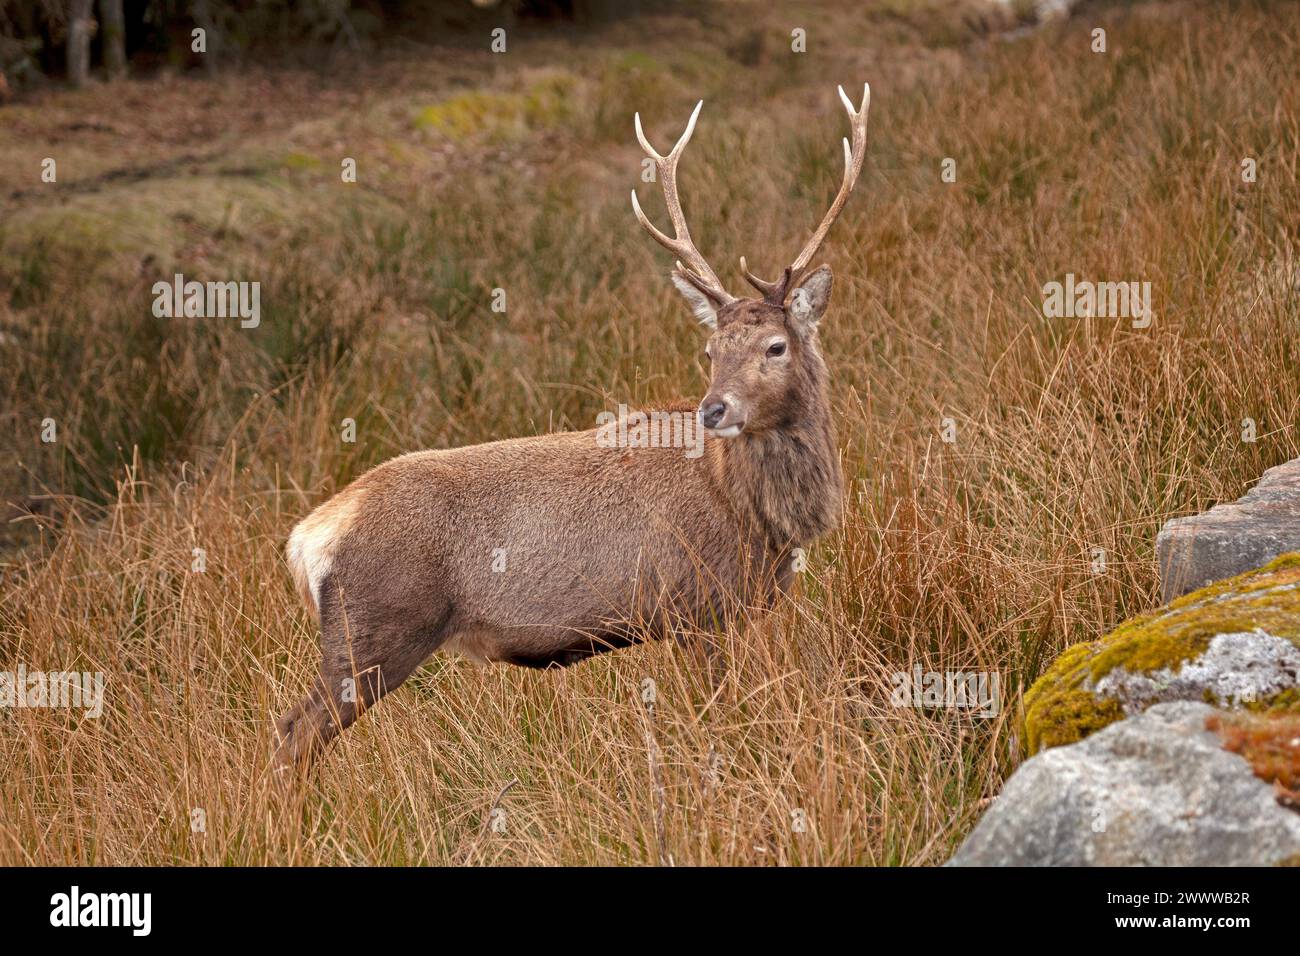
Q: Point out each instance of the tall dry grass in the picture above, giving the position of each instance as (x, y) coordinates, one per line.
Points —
(1072, 435)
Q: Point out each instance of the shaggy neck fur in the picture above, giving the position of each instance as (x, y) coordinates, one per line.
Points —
(787, 478)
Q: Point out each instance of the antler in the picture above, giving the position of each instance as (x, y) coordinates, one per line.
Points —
(699, 273)
(853, 156)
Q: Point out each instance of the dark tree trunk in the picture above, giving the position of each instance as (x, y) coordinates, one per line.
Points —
(110, 14)
(81, 27)
(201, 11)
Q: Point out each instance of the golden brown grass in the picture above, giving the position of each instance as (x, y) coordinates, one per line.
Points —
(1072, 435)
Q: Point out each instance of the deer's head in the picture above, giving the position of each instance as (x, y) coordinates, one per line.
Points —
(763, 351)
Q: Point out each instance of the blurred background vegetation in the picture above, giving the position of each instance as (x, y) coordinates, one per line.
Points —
(44, 39)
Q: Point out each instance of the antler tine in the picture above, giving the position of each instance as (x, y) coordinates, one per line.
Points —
(693, 277)
(853, 157)
(681, 143)
(700, 273)
(762, 285)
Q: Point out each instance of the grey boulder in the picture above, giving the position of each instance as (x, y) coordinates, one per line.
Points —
(1157, 789)
(1233, 537)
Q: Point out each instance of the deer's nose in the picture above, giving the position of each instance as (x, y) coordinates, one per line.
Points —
(711, 413)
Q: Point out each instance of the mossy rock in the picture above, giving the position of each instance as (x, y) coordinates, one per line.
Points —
(1234, 644)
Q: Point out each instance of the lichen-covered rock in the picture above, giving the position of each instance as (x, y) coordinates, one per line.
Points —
(1157, 789)
(1233, 644)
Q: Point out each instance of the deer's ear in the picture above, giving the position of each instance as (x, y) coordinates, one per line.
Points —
(700, 304)
(808, 302)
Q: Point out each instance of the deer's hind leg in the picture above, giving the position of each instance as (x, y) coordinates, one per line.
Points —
(361, 661)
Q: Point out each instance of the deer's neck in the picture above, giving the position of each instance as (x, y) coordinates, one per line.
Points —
(786, 480)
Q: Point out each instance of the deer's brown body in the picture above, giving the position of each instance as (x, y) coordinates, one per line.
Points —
(546, 550)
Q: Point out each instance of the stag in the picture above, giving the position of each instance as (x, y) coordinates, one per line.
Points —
(544, 551)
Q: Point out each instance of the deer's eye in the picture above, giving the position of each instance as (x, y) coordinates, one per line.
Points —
(775, 349)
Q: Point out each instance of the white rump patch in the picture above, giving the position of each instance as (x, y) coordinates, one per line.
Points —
(312, 543)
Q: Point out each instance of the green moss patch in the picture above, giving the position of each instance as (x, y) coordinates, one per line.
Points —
(546, 103)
